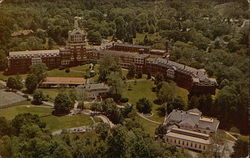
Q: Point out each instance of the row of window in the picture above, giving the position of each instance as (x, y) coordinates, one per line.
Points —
(186, 144)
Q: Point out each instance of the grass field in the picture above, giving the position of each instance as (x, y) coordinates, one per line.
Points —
(62, 73)
(11, 112)
(63, 122)
(52, 92)
(52, 122)
(143, 89)
(148, 126)
(4, 77)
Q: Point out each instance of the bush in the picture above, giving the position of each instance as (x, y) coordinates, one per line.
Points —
(67, 70)
(139, 75)
(38, 98)
(144, 106)
(124, 100)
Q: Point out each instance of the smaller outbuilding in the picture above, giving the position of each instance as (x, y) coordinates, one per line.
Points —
(49, 82)
(94, 91)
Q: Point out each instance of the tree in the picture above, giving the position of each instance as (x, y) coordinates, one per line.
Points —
(5, 127)
(11, 83)
(117, 85)
(95, 37)
(31, 83)
(144, 106)
(167, 92)
(38, 98)
(240, 149)
(63, 103)
(62, 152)
(120, 28)
(15, 83)
(19, 82)
(39, 70)
(112, 111)
(108, 64)
(3, 61)
(131, 71)
(25, 119)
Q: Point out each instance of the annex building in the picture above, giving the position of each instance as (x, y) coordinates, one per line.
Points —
(189, 129)
(78, 52)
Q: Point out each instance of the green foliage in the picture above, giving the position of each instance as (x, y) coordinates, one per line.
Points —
(108, 64)
(131, 71)
(40, 71)
(117, 85)
(144, 106)
(240, 149)
(167, 92)
(26, 119)
(63, 103)
(38, 97)
(94, 37)
(31, 83)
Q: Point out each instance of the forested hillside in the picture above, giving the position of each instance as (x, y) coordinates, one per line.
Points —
(210, 34)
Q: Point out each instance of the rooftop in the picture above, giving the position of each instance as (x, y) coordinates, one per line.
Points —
(33, 52)
(188, 137)
(64, 80)
(198, 75)
(132, 46)
(93, 87)
(122, 53)
(193, 119)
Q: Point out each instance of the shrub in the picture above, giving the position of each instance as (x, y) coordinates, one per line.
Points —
(67, 70)
(124, 100)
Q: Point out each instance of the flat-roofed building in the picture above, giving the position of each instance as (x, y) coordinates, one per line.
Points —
(20, 61)
(49, 82)
(188, 139)
(190, 129)
(94, 91)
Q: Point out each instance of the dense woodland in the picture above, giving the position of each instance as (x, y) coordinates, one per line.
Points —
(210, 34)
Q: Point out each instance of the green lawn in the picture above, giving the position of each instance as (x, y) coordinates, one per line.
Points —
(64, 122)
(52, 92)
(148, 126)
(11, 112)
(143, 89)
(4, 77)
(62, 73)
(52, 122)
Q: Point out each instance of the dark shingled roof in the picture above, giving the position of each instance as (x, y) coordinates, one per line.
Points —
(122, 54)
(193, 119)
(197, 74)
(132, 46)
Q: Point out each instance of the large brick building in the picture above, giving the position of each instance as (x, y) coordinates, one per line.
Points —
(78, 52)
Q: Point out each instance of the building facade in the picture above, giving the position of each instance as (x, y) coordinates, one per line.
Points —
(78, 52)
(189, 129)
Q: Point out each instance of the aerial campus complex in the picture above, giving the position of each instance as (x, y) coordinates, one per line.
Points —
(188, 129)
(146, 60)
